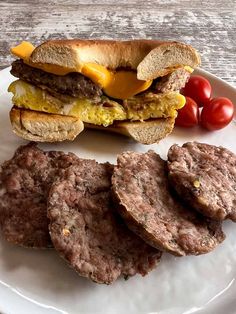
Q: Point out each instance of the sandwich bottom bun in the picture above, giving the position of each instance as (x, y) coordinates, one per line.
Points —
(146, 132)
(44, 127)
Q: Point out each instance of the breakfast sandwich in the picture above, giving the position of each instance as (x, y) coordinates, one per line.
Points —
(128, 87)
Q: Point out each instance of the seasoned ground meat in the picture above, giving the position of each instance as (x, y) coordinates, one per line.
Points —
(140, 185)
(24, 184)
(173, 82)
(72, 84)
(87, 232)
(205, 176)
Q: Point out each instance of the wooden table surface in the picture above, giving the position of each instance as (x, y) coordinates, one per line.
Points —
(210, 26)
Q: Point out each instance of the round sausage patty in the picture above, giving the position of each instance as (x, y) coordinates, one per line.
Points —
(87, 232)
(140, 184)
(24, 184)
(205, 175)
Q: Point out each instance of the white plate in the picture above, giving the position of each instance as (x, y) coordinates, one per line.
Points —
(38, 281)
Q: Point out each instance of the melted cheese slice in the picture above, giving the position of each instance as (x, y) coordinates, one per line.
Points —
(23, 51)
(97, 73)
(124, 85)
(120, 84)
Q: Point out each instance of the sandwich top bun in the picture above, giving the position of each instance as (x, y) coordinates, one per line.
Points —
(151, 58)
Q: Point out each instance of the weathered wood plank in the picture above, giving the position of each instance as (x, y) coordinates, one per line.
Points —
(210, 28)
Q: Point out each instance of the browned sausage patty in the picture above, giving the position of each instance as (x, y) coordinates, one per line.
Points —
(140, 184)
(87, 232)
(205, 176)
(24, 184)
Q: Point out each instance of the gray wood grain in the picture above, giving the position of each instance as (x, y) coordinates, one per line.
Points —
(210, 26)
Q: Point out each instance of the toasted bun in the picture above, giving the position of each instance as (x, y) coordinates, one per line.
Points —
(151, 58)
(44, 127)
(146, 132)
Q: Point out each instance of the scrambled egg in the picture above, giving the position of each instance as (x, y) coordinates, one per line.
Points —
(153, 106)
(103, 113)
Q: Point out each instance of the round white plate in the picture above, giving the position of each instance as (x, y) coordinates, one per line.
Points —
(39, 281)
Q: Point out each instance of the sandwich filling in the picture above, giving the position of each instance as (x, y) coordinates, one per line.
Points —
(96, 95)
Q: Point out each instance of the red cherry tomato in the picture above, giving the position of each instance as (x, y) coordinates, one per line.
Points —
(199, 89)
(188, 115)
(217, 113)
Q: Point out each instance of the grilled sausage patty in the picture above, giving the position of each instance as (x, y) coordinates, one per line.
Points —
(173, 81)
(140, 185)
(24, 184)
(87, 232)
(205, 176)
(72, 84)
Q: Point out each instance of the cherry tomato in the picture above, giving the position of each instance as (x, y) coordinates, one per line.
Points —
(199, 89)
(188, 115)
(217, 113)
